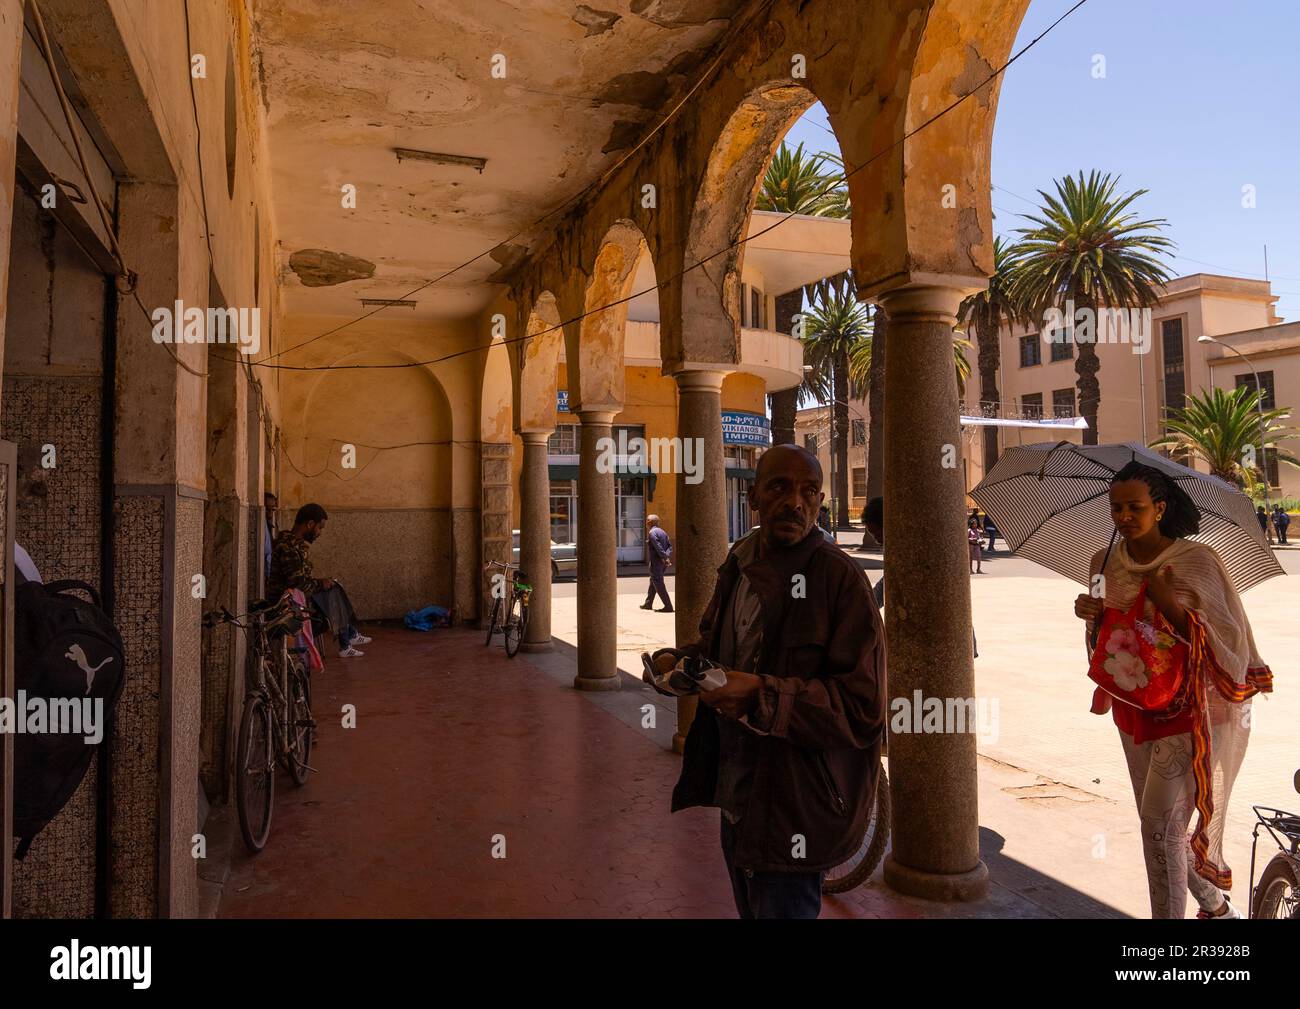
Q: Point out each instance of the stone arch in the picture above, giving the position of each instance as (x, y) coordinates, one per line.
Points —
(923, 229)
(594, 347)
(709, 295)
(540, 358)
(405, 495)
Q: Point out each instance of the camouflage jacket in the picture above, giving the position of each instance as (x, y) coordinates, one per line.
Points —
(290, 566)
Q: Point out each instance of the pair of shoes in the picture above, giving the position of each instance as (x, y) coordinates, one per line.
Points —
(647, 606)
(666, 609)
(362, 639)
(351, 653)
(1231, 911)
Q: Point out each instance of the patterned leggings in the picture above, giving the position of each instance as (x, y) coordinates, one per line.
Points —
(1161, 770)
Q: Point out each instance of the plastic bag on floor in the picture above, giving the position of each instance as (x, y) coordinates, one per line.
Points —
(428, 618)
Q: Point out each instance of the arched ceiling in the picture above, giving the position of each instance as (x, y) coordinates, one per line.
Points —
(345, 84)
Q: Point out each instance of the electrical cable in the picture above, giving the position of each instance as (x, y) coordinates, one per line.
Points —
(572, 202)
(659, 283)
(249, 365)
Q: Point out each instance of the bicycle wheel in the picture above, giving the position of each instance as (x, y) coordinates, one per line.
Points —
(255, 773)
(1278, 892)
(492, 621)
(859, 868)
(515, 625)
(299, 730)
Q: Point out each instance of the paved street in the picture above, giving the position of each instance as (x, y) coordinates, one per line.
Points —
(1053, 782)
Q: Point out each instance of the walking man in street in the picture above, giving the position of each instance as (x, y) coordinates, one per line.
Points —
(1281, 521)
(789, 748)
(661, 555)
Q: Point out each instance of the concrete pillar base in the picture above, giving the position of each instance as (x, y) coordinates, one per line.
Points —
(961, 886)
(597, 683)
(534, 647)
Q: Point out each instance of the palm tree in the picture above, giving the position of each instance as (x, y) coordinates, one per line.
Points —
(1224, 427)
(836, 327)
(861, 358)
(1085, 247)
(796, 183)
(985, 314)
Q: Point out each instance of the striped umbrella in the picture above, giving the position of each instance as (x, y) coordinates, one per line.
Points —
(1051, 503)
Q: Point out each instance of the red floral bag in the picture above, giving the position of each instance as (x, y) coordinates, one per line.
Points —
(1136, 661)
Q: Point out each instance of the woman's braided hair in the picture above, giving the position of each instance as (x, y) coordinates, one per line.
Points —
(1181, 517)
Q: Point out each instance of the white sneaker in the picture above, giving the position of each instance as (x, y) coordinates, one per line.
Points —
(362, 639)
(350, 653)
(1232, 912)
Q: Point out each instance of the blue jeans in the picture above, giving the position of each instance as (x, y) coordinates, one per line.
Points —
(771, 894)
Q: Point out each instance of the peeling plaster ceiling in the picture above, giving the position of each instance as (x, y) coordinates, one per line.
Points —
(346, 83)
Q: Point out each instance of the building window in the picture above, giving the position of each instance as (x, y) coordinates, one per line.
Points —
(563, 442)
(1031, 351)
(859, 481)
(1063, 403)
(859, 431)
(1265, 382)
(810, 443)
(1063, 345)
(1032, 406)
(564, 511)
(1171, 343)
(755, 308)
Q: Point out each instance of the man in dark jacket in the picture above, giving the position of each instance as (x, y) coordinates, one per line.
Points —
(789, 748)
(661, 555)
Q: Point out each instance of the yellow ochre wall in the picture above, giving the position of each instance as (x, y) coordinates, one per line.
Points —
(651, 400)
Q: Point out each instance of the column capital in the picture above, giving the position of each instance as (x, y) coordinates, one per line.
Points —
(536, 436)
(699, 380)
(597, 416)
(933, 295)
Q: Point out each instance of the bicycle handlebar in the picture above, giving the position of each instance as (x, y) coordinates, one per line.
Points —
(269, 615)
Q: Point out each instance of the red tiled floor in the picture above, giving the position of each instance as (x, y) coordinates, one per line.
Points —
(454, 744)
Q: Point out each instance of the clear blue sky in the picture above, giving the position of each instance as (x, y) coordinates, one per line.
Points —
(1200, 98)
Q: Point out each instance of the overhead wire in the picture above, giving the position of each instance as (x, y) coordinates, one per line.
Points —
(265, 363)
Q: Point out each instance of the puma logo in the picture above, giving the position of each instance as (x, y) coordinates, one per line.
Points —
(77, 655)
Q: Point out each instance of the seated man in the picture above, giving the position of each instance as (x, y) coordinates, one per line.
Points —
(291, 569)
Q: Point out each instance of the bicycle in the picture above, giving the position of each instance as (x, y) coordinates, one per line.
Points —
(1278, 894)
(276, 723)
(859, 867)
(515, 623)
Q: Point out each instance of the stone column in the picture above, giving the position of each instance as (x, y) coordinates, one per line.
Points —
(11, 47)
(535, 538)
(935, 843)
(597, 557)
(700, 539)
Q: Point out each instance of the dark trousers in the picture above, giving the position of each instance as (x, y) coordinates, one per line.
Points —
(657, 585)
(771, 894)
(336, 605)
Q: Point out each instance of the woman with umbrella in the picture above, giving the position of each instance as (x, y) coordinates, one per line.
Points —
(1179, 674)
(1182, 760)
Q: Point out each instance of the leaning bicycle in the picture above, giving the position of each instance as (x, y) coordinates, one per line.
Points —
(1278, 893)
(511, 592)
(871, 849)
(276, 724)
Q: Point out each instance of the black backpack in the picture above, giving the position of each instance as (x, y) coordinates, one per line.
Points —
(64, 647)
